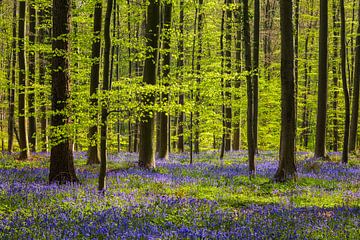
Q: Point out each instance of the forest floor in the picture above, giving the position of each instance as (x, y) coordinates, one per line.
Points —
(205, 200)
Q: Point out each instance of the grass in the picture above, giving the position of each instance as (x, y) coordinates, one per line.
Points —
(208, 199)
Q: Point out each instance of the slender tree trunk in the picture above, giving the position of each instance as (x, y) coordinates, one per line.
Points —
(24, 150)
(238, 64)
(335, 72)
(193, 74)
(228, 44)
(32, 64)
(296, 49)
(345, 150)
(307, 79)
(147, 124)
(11, 117)
(250, 90)
(255, 66)
(180, 65)
(223, 110)
(269, 16)
(105, 89)
(61, 159)
(287, 168)
(200, 28)
(164, 118)
(323, 82)
(93, 150)
(355, 100)
(43, 63)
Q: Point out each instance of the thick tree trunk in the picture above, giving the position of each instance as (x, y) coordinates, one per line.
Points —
(355, 100)
(61, 159)
(287, 168)
(24, 150)
(32, 64)
(164, 118)
(105, 89)
(323, 82)
(345, 151)
(11, 116)
(147, 124)
(93, 150)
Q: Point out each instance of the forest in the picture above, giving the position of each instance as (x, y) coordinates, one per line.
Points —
(179, 119)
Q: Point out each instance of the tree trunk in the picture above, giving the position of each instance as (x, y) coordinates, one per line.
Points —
(255, 66)
(11, 117)
(250, 91)
(335, 73)
(238, 64)
(43, 62)
(24, 150)
(105, 89)
(228, 45)
(164, 118)
(147, 124)
(180, 65)
(323, 82)
(345, 150)
(223, 111)
(287, 168)
(61, 159)
(355, 100)
(32, 64)
(93, 150)
(200, 28)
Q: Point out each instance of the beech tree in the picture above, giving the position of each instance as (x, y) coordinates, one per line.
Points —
(355, 99)
(61, 159)
(323, 81)
(93, 151)
(147, 121)
(287, 168)
(23, 136)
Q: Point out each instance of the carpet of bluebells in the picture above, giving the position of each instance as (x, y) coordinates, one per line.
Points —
(206, 200)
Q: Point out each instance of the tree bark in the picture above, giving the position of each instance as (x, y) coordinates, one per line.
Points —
(164, 118)
(62, 168)
(147, 123)
(32, 65)
(200, 28)
(228, 44)
(335, 73)
(255, 75)
(11, 117)
(345, 151)
(180, 65)
(93, 150)
(43, 61)
(323, 82)
(250, 90)
(238, 64)
(287, 168)
(24, 150)
(105, 89)
(355, 100)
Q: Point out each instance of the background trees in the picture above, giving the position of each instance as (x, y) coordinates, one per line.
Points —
(191, 89)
